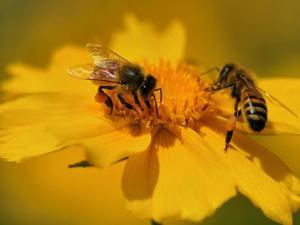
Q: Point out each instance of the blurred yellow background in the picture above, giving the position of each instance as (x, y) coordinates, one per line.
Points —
(262, 34)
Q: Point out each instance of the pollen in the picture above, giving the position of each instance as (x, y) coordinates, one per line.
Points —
(184, 97)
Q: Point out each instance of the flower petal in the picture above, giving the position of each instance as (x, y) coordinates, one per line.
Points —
(37, 124)
(143, 41)
(176, 177)
(38, 108)
(20, 143)
(261, 189)
(267, 161)
(286, 147)
(111, 147)
(28, 79)
(275, 200)
(284, 90)
(267, 153)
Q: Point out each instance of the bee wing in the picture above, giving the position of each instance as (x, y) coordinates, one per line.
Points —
(275, 101)
(82, 71)
(104, 57)
(92, 72)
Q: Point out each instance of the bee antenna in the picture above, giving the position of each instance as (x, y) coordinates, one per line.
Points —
(210, 70)
(160, 92)
(155, 102)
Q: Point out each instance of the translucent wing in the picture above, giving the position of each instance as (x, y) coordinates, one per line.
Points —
(92, 72)
(104, 57)
(82, 71)
(274, 100)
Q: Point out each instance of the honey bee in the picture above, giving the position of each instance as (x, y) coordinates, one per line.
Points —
(249, 99)
(114, 72)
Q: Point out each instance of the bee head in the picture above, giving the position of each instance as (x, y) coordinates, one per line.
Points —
(226, 72)
(147, 86)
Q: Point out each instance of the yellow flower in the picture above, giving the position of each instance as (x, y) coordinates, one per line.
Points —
(176, 165)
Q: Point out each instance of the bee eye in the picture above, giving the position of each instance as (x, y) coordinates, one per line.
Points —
(147, 86)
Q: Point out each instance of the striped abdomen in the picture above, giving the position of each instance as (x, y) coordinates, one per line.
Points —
(254, 109)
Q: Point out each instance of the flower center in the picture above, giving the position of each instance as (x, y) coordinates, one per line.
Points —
(184, 98)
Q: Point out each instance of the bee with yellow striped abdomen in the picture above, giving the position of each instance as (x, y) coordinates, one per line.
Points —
(249, 99)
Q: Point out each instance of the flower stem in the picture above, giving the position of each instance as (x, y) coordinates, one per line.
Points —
(155, 223)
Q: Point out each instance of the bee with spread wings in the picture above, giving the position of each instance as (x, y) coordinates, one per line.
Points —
(120, 74)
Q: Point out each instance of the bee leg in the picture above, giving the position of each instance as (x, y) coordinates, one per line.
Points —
(136, 100)
(108, 102)
(147, 102)
(123, 101)
(231, 124)
(153, 95)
